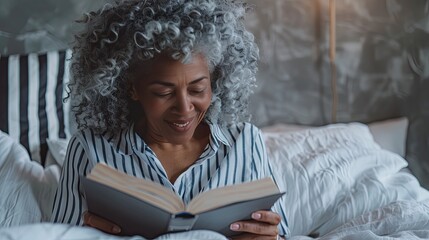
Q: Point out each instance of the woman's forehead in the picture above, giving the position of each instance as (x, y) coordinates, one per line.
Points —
(164, 65)
(166, 60)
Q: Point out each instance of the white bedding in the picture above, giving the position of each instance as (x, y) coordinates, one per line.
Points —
(46, 231)
(335, 173)
(401, 220)
(26, 188)
(340, 185)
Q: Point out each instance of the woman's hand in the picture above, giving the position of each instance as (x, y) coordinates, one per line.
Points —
(262, 226)
(100, 223)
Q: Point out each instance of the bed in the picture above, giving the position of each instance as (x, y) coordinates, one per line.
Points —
(343, 181)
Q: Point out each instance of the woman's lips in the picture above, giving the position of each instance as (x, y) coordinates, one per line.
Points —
(181, 125)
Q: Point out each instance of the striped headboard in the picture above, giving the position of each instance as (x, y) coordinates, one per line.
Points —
(32, 88)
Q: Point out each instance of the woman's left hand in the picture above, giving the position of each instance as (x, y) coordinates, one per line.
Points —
(262, 226)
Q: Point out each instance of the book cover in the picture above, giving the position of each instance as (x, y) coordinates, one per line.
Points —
(142, 207)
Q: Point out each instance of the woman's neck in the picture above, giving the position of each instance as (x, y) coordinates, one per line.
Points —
(177, 158)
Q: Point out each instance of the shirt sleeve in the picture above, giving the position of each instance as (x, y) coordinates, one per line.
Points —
(261, 152)
(267, 171)
(69, 203)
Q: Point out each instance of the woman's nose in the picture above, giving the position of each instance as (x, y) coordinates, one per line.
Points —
(183, 103)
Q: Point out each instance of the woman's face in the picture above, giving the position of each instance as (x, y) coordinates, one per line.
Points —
(173, 96)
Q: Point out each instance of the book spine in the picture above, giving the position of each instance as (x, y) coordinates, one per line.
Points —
(181, 222)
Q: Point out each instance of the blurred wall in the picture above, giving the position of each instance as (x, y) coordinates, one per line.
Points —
(382, 66)
(382, 59)
(37, 26)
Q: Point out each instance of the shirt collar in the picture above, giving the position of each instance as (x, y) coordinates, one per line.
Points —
(128, 140)
(124, 141)
(220, 134)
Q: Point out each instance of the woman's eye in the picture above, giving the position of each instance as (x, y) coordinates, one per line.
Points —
(197, 91)
(162, 94)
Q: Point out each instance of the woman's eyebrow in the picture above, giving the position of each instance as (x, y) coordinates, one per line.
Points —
(169, 84)
(198, 80)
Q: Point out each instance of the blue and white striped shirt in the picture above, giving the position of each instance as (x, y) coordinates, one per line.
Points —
(235, 154)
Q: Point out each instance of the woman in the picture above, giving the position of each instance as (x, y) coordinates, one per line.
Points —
(161, 92)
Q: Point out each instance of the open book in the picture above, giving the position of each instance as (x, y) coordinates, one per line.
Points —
(142, 207)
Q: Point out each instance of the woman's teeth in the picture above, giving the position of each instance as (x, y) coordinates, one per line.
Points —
(181, 125)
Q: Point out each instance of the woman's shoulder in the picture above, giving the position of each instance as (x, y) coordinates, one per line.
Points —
(234, 132)
(86, 135)
(121, 142)
(242, 126)
(89, 136)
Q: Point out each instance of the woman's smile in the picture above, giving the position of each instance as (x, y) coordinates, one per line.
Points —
(181, 125)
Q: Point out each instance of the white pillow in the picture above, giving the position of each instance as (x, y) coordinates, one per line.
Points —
(334, 173)
(26, 188)
(390, 134)
(58, 149)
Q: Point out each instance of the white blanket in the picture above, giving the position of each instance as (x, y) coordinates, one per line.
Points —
(26, 188)
(400, 220)
(336, 173)
(50, 231)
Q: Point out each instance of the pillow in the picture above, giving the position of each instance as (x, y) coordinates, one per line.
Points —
(31, 93)
(390, 134)
(26, 188)
(58, 149)
(334, 173)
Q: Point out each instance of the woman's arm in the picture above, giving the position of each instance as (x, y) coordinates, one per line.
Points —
(264, 224)
(69, 201)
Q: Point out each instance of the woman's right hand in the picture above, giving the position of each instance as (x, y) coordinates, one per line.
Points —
(100, 223)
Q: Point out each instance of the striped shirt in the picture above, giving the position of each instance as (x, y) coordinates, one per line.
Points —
(234, 155)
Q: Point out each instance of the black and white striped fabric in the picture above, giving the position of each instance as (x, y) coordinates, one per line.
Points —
(32, 87)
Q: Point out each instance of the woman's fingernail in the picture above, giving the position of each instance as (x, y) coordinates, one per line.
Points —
(234, 226)
(256, 215)
(116, 229)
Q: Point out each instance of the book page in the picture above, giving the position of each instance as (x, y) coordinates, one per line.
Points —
(232, 194)
(143, 189)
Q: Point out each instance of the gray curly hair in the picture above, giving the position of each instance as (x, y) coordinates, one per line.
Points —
(119, 35)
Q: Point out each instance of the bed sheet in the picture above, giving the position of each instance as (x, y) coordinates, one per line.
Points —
(56, 231)
(400, 220)
(26, 187)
